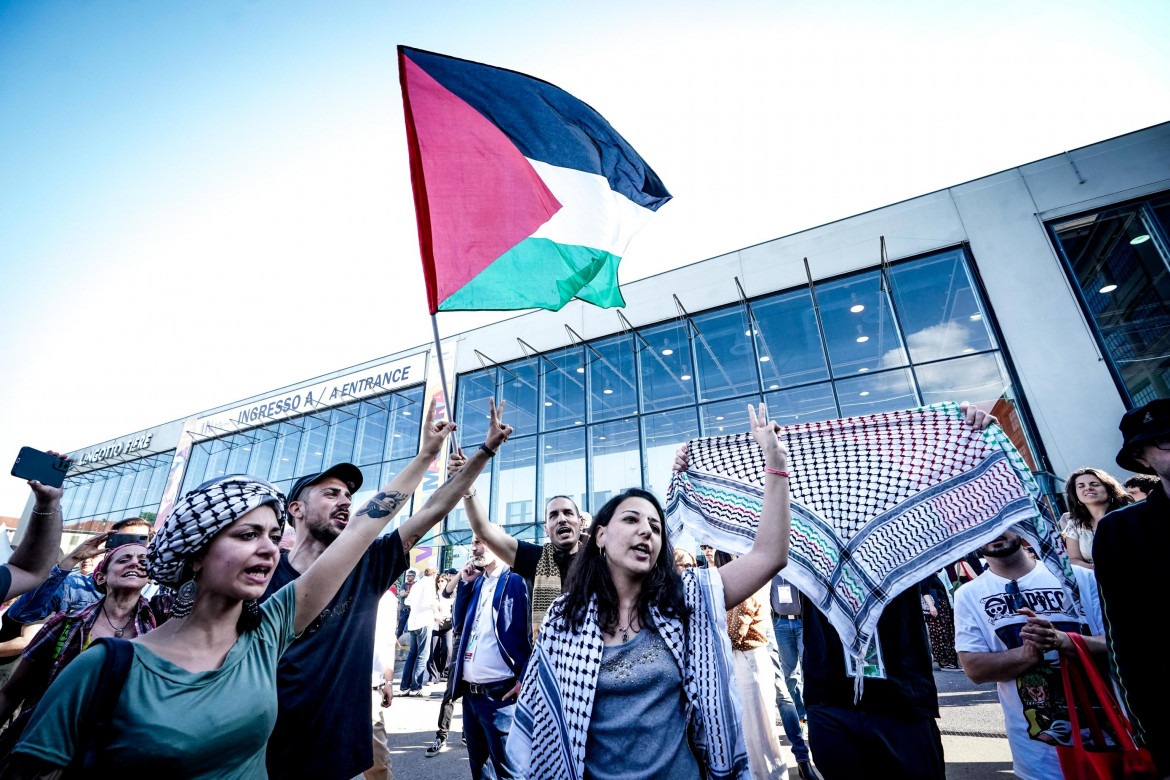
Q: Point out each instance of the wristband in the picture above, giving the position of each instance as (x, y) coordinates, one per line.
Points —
(777, 472)
(490, 452)
(471, 494)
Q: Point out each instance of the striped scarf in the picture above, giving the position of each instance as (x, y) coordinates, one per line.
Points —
(546, 587)
(548, 736)
(879, 503)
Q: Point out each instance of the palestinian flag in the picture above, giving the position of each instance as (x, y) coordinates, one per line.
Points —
(525, 196)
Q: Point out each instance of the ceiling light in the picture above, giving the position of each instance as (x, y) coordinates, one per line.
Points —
(1108, 288)
(976, 317)
(548, 446)
(720, 427)
(718, 418)
(668, 352)
(968, 350)
(247, 449)
(548, 403)
(752, 332)
(580, 370)
(864, 392)
(863, 370)
(1143, 238)
(857, 308)
(578, 422)
(765, 359)
(685, 377)
(601, 438)
(398, 436)
(283, 459)
(862, 339)
(607, 391)
(316, 453)
(773, 387)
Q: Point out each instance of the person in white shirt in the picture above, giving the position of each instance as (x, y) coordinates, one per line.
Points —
(423, 603)
(1012, 625)
(385, 647)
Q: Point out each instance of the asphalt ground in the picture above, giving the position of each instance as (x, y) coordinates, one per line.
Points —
(971, 723)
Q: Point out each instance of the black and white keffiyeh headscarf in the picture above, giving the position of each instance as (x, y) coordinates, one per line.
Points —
(203, 513)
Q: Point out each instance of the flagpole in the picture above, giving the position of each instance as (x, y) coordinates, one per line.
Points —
(443, 379)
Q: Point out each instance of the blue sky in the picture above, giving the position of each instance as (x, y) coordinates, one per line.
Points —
(206, 200)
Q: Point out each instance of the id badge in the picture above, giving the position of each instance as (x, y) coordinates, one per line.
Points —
(469, 651)
(784, 593)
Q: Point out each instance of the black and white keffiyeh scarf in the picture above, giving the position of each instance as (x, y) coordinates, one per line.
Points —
(879, 503)
(200, 515)
(551, 725)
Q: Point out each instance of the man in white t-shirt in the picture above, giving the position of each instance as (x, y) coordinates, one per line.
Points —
(1011, 628)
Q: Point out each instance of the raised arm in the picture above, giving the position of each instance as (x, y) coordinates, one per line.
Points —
(769, 554)
(34, 558)
(318, 585)
(443, 500)
(499, 542)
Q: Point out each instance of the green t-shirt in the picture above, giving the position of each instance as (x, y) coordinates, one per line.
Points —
(170, 722)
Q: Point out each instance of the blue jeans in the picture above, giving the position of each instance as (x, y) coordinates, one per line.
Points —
(486, 723)
(785, 701)
(790, 640)
(414, 671)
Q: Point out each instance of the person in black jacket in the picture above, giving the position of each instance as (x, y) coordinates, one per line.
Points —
(1130, 556)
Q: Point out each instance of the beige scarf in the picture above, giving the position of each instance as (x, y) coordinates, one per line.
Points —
(546, 587)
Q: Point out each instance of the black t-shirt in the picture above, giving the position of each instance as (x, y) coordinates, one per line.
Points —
(5, 583)
(908, 687)
(527, 556)
(323, 680)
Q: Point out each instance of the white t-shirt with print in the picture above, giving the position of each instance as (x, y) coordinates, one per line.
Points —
(1035, 712)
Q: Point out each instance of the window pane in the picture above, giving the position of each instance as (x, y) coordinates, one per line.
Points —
(216, 460)
(611, 375)
(405, 423)
(196, 466)
(790, 341)
(284, 460)
(617, 462)
(141, 484)
(519, 389)
(109, 491)
(457, 519)
(72, 494)
(389, 471)
(859, 328)
(515, 496)
(1119, 262)
(976, 378)
(724, 417)
(342, 432)
(562, 457)
(371, 432)
(474, 405)
(666, 432)
(95, 495)
(937, 307)
(158, 483)
(125, 487)
(260, 458)
(564, 389)
(886, 392)
(77, 508)
(239, 448)
(370, 486)
(802, 404)
(726, 358)
(666, 368)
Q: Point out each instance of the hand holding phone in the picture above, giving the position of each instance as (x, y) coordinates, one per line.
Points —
(47, 468)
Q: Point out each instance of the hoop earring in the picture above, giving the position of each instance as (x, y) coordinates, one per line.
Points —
(185, 599)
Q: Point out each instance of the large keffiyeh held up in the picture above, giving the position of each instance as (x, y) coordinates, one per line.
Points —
(879, 503)
(203, 513)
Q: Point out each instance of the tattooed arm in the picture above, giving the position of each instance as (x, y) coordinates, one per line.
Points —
(320, 582)
(457, 485)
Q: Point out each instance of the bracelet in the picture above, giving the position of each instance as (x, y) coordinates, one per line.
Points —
(49, 513)
(472, 493)
(490, 452)
(777, 472)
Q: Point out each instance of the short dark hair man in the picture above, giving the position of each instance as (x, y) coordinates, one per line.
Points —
(1019, 648)
(1139, 486)
(544, 567)
(1129, 552)
(323, 680)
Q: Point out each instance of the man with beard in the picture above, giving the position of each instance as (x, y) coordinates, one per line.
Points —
(1012, 627)
(1130, 555)
(543, 567)
(323, 726)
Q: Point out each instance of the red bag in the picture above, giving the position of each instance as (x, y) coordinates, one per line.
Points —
(1110, 751)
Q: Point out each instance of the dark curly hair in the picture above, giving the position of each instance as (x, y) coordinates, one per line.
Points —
(1079, 513)
(590, 575)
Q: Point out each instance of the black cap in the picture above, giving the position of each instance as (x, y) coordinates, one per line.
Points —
(1139, 426)
(348, 473)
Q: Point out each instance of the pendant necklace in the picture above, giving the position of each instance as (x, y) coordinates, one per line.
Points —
(624, 629)
(118, 631)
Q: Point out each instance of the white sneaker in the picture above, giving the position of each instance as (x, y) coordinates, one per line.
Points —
(437, 747)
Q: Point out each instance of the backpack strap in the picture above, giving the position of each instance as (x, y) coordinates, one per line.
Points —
(115, 670)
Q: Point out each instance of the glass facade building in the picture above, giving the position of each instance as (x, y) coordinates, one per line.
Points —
(95, 499)
(379, 434)
(1119, 263)
(602, 415)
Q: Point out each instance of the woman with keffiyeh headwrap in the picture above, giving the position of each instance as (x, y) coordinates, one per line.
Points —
(632, 673)
(200, 699)
(121, 611)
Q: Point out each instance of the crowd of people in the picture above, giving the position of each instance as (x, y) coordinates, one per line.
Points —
(199, 650)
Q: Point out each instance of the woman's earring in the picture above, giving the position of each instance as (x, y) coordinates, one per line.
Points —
(185, 599)
(602, 551)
